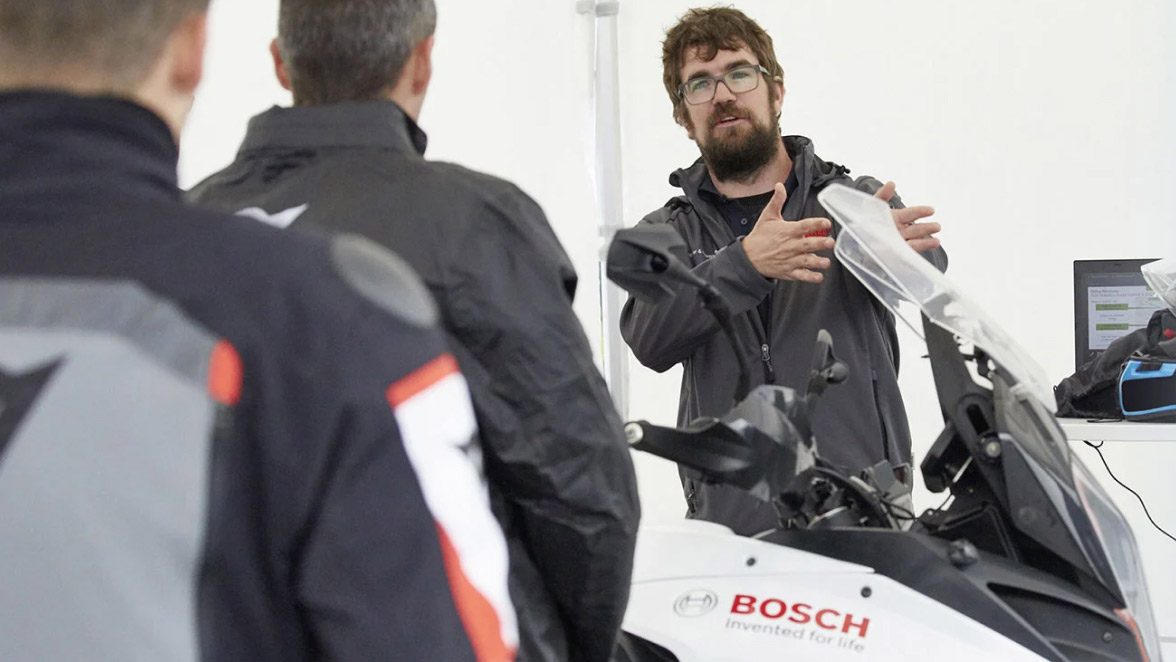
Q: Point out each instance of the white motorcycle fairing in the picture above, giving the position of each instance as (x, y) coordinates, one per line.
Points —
(709, 595)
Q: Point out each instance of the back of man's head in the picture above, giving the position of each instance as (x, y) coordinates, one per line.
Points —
(108, 45)
(710, 30)
(349, 50)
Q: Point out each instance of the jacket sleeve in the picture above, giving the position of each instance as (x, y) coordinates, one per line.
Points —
(400, 552)
(555, 443)
(936, 256)
(668, 332)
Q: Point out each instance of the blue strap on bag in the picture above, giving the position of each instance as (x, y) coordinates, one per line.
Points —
(1147, 389)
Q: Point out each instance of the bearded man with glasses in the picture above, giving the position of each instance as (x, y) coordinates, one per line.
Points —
(750, 218)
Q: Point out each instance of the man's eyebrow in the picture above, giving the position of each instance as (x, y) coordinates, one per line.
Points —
(730, 65)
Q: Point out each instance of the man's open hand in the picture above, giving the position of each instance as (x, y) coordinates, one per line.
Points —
(786, 250)
(919, 236)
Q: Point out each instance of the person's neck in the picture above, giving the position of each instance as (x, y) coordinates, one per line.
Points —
(410, 103)
(776, 170)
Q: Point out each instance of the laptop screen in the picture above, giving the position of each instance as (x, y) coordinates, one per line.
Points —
(1111, 299)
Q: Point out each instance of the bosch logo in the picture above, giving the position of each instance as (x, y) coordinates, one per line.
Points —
(800, 613)
(696, 603)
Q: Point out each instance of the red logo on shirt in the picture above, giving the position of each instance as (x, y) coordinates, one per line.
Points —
(818, 233)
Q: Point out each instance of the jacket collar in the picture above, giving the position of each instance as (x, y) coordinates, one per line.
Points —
(811, 171)
(380, 124)
(55, 145)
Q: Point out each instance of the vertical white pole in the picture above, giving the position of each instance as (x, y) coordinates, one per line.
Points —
(608, 189)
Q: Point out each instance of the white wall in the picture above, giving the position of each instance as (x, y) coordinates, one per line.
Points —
(1040, 130)
(238, 83)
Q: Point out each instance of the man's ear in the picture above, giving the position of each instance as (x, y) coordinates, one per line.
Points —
(422, 71)
(187, 45)
(279, 65)
(778, 103)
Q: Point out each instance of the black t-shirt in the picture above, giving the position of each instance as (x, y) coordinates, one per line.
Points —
(752, 206)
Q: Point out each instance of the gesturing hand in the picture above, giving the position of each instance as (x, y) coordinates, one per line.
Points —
(918, 236)
(786, 250)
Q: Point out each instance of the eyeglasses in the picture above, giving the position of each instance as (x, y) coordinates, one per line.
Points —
(738, 80)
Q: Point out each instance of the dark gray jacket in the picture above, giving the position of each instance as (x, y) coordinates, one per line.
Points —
(857, 423)
(560, 472)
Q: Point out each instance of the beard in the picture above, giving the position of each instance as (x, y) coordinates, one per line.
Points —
(741, 156)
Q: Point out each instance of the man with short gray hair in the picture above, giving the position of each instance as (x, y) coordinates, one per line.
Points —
(349, 156)
(218, 441)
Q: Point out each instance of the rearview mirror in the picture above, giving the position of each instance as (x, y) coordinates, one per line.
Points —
(647, 260)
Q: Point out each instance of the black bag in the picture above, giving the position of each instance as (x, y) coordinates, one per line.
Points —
(1093, 391)
(1147, 390)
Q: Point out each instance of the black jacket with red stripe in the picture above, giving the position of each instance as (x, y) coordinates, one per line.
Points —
(558, 464)
(218, 441)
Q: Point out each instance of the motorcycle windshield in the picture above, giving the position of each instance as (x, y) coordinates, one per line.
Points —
(1161, 278)
(873, 251)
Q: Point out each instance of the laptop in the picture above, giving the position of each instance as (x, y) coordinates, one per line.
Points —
(1111, 299)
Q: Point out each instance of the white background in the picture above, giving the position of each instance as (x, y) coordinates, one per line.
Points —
(1041, 130)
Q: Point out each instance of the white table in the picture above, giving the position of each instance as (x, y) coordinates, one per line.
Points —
(1079, 429)
(1143, 456)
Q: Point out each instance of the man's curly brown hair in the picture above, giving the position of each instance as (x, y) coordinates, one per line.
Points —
(710, 30)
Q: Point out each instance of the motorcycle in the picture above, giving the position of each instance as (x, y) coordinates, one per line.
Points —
(1027, 559)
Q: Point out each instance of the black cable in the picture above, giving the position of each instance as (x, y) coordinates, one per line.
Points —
(1098, 449)
(949, 497)
(892, 506)
(956, 479)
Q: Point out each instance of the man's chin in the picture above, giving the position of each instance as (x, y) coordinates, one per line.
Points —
(737, 155)
(729, 138)
(733, 129)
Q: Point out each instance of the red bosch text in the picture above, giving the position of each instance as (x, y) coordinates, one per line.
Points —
(801, 614)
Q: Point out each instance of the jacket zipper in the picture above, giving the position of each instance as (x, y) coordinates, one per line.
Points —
(881, 419)
(766, 357)
(757, 325)
(765, 335)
